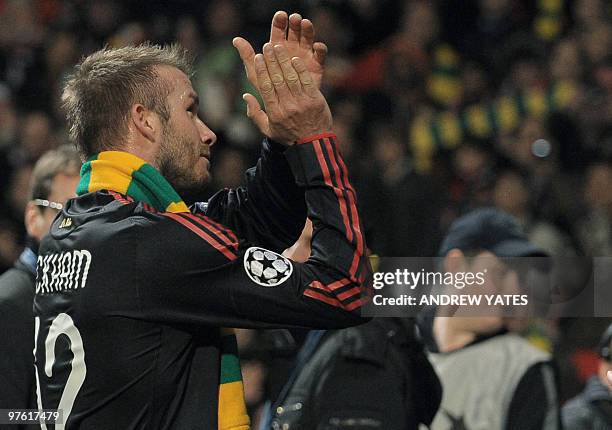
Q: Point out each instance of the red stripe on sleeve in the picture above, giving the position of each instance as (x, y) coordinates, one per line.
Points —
(354, 305)
(229, 232)
(338, 284)
(212, 229)
(333, 301)
(339, 191)
(319, 153)
(327, 177)
(353, 201)
(338, 299)
(349, 293)
(315, 138)
(318, 296)
(211, 241)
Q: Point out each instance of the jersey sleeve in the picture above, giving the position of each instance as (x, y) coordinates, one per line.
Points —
(269, 210)
(206, 275)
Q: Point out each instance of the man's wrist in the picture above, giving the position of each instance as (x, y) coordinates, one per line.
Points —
(274, 146)
(306, 155)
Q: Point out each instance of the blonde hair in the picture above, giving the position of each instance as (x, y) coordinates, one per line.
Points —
(99, 94)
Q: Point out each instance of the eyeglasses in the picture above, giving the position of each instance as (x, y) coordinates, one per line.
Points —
(48, 204)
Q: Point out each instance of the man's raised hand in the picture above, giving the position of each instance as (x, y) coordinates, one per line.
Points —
(295, 108)
(297, 35)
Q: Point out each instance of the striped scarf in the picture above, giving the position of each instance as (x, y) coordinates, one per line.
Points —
(129, 175)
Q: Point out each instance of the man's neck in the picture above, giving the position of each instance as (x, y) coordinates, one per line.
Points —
(449, 337)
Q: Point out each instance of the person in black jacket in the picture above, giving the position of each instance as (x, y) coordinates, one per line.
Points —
(135, 292)
(371, 376)
(592, 409)
(53, 181)
(375, 375)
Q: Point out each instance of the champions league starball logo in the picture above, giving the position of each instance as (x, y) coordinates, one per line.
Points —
(266, 268)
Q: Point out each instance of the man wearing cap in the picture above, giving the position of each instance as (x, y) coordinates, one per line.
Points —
(592, 409)
(491, 378)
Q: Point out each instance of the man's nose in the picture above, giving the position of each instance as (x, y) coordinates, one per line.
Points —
(207, 136)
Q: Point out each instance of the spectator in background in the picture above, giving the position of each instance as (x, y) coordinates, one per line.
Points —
(403, 202)
(60, 54)
(36, 136)
(470, 186)
(596, 40)
(188, 35)
(567, 62)
(9, 245)
(8, 118)
(497, 21)
(533, 150)
(592, 409)
(54, 180)
(595, 229)
(511, 195)
(588, 13)
(17, 192)
(217, 70)
(490, 377)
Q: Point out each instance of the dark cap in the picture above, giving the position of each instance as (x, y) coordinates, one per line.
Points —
(492, 230)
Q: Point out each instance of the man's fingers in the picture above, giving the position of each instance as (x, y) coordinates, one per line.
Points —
(253, 106)
(304, 76)
(320, 52)
(256, 114)
(275, 72)
(264, 83)
(244, 48)
(295, 27)
(247, 54)
(289, 73)
(307, 35)
(278, 31)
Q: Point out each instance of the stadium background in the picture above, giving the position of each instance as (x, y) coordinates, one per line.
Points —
(440, 107)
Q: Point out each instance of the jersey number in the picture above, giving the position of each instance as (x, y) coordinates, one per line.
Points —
(62, 324)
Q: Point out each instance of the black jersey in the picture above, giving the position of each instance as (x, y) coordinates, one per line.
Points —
(129, 300)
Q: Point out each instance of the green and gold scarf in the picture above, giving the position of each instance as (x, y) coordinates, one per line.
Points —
(129, 175)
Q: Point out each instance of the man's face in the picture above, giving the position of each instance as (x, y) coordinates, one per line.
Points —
(499, 277)
(184, 151)
(604, 367)
(498, 280)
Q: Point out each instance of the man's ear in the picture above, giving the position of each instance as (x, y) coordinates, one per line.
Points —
(34, 222)
(146, 122)
(454, 261)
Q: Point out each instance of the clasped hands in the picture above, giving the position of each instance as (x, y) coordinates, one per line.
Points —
(288, 77)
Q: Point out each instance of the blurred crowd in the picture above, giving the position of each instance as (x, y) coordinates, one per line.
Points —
(440, 107)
